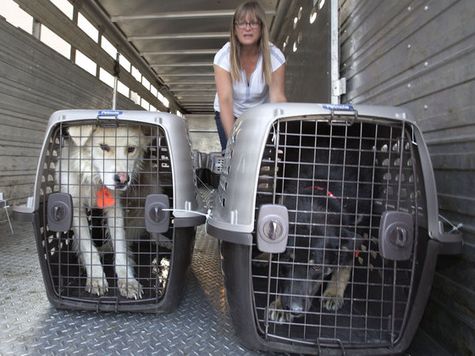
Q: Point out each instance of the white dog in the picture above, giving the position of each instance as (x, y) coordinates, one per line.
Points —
(97, 165)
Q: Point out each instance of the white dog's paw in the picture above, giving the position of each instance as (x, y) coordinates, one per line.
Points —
(276, 313)
(97, 285)
(333, 301)
(130, 288)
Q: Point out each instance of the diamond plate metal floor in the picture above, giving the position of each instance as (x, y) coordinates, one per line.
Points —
(29, 325)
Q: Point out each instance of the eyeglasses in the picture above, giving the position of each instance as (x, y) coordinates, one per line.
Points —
(252, 24)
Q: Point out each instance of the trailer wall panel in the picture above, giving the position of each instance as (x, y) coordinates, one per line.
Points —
(35, 81)
(420, 55)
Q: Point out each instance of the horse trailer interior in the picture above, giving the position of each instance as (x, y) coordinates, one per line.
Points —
(339, 223)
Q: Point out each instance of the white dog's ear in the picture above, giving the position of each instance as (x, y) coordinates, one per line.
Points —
(80, 134)
(146, 137)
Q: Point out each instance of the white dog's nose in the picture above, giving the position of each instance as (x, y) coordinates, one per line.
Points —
(121, 179)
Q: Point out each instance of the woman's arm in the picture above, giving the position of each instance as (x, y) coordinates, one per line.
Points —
(277, 87)
(224, 87)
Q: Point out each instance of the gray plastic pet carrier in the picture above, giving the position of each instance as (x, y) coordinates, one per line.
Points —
(111, 210)
(208, 167)
(329, 225)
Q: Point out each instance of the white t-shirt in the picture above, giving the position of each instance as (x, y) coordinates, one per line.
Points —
(247, 95)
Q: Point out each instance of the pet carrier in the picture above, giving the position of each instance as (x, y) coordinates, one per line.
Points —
(329, 225)
(208, 167)
(112, 210)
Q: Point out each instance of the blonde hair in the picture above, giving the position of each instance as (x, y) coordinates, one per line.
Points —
(251, 8)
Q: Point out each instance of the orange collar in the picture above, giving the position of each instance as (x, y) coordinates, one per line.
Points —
(104, 198)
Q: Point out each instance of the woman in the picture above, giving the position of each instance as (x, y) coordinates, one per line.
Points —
(248, 70)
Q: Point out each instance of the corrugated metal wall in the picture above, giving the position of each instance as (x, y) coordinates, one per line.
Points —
(421, 55)
(306, 46)
(35, 81)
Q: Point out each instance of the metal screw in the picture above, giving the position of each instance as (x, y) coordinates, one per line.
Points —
(272, 229)
(401, 236)
(58, 213)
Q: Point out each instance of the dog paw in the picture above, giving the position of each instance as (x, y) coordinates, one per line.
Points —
(164, 242)
(276, 313)
(332, 301)
(97, 285)
(130, 288)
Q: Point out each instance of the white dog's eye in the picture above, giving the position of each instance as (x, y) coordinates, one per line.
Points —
(105, 147)
(130, 149)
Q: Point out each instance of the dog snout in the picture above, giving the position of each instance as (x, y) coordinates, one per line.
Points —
(294, 304)
(296, 308)
(121, 180)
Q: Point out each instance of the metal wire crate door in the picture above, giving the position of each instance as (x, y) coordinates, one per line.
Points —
(336, 181)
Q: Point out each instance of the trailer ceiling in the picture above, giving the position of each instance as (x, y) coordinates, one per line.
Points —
(178, 40)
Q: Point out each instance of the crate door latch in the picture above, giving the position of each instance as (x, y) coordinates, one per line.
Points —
(157, 215)
(396, 235)
(60, 212)
(272, 228)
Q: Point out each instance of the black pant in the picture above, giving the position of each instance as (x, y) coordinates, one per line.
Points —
(222, 135)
